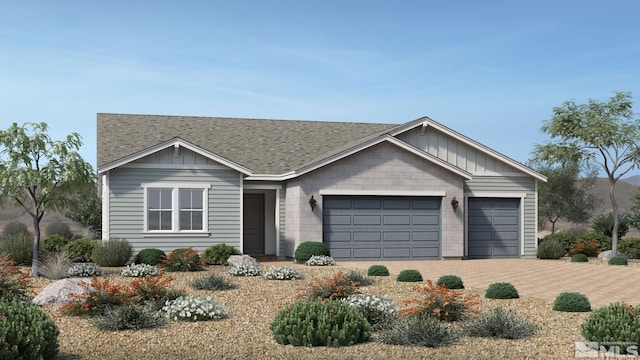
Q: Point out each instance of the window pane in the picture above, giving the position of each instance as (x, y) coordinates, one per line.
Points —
(153, 199)
(153, 220)
(196, 199)
(165, 220)
(191, 198)
(185, 220)
(196, 220)
(165, 199)
(185, 198)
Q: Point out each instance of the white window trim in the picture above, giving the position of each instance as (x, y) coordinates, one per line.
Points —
(175, 210)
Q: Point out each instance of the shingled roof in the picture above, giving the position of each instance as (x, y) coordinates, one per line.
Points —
(264, 146)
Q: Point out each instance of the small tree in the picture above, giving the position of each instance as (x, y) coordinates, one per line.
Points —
(605, 134)
(86, 211)
(40, 174)
(565, 195)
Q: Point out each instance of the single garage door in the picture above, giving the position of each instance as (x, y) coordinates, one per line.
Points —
(381, 227)
(494, 228)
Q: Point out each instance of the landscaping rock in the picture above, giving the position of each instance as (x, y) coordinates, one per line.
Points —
(57, 293)
(606, 255)
(235, 260)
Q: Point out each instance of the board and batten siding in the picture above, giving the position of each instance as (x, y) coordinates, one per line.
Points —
(126, 199)
(454, 151)
(511, 187)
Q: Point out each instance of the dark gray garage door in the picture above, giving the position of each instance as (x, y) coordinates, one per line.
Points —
(494, 228)
(381, 227)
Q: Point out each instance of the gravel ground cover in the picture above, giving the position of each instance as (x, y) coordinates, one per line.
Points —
(245, 334)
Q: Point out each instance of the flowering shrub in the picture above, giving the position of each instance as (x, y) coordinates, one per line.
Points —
(590, 248)
(193, 308)
(320, 260)
(153, 288)
(377, 309)
(184, 259)
(337, 287)
(84, 270)
(13, 282)
(282, 273)
(442, 303)
(136, 270)
(245, 269)
(99, 296)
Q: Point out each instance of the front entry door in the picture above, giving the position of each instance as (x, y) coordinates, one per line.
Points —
(253, 224)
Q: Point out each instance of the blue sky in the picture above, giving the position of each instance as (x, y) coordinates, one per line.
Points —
(492, 70)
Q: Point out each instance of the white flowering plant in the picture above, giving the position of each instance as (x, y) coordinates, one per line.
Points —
(376, 309)
(282, 273)
(137, 270)
(245, 269)
(194, 308)
(320, 260)
(84, 270)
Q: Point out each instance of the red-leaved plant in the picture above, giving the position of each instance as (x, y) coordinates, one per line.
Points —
(441, 303)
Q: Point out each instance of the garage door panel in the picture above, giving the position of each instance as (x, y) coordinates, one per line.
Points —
(382, 227)
(494, 227)
(397, 236)
(362, 253)
(397, 220)
(366, 220)
(367, 236)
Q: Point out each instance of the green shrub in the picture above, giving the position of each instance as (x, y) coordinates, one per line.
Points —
(630, 247)
(550, 249)
(419, 331)
(59, 228)
(618, 260)
(55, 243)
(579, 258)
(604, 224)
(194, 308)
(572, 302)
(567, 239)
(19, 247)
(13, 282)
(357, 278)
(308, 249)
(409, 275)
(183, 259)
(15, 228)
(320, 323)
(450, 282)
(212, 282)
(129, 316)
(378, 270)
(604, 241)
(79, 250)
(55, 266)
(26, 332)
(149, 256)
(616, 322)
(501, 290)
(590, 248)
(337, 287)
(112, 253)
(218, 254)
(499, 323)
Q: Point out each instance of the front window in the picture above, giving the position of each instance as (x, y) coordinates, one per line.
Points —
(175, 208)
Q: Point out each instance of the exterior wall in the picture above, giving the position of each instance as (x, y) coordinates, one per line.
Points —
(455, 152)
(126, 201)
(514, 186)
(374, 171)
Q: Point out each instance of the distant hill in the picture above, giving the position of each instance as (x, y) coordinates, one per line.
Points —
(10, 213)
(635, 180)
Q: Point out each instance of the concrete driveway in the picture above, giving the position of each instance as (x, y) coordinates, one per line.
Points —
(544, 279)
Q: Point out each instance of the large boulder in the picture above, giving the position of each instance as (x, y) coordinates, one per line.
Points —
(606, 255)
(235, 260)
(57, 293)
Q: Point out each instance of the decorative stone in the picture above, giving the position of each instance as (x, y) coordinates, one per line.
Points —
(606, 255)
(235, 260)
(57, 293)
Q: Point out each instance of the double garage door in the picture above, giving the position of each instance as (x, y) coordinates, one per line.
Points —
(494, 228)
(382, 227)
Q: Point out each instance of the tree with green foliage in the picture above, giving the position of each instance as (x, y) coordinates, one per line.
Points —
(86, 211)
(602, 133)
(40, 174)
(565, 195)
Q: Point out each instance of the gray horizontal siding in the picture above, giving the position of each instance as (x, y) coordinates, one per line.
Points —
(513, 184)
(126, 198)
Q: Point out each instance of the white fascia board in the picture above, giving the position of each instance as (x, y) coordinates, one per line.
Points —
(371, 143)
(474, 144)
(382, 193)
(176, 143)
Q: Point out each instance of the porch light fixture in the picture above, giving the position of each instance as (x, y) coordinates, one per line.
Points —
(454, 204)
(312, 203)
